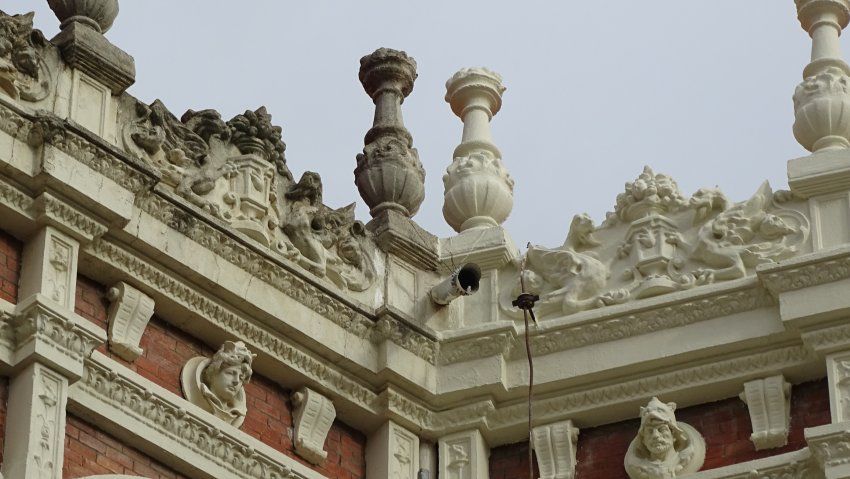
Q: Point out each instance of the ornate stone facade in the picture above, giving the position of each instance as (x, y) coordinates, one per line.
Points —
(175, 302)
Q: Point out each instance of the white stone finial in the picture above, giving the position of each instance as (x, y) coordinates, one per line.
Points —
(478, 188)
(98, 14)
(822, 100)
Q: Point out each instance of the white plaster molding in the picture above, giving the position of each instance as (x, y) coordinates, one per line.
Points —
(392, 452)
(35, 428)
(791, 465)
(769, 403)
(53, 211)
(838, 376)
(314, 414)
(555, 449)
(172, 430)
(52, 336)
(129, 313)
(49, 267)
(463, 455)
(830, 447)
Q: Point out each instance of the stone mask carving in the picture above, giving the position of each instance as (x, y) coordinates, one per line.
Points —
(217, 384)
(664, 448)
(23, 72)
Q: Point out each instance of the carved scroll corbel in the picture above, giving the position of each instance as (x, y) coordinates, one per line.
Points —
(129, 314)
(313, 417)
(555, 449)
(769, 403)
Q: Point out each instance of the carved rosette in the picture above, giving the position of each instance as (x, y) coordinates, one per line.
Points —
(478, 188)
(822, 110)
(98, 14)
(389, 174)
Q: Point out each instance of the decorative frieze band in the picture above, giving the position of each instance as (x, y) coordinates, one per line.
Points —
(107, 393)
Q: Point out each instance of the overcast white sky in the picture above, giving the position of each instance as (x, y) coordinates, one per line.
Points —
(698, 89)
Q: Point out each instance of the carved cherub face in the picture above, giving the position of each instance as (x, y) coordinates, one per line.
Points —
(657, 438)
(227, 384)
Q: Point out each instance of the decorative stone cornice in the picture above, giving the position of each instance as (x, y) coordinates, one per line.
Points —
(811, 270)
(158, 414)
(53, 211)
(45, 335)
(612, 324)
(571, 405)
(44, 128)
(261, 339)
(273, 270)
(15, 198)
(830, 445)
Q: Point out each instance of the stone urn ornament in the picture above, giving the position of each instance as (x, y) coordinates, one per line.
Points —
(217, 384)
(97, 14)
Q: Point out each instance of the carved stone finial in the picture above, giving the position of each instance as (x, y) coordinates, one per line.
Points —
(478, 188)
(217, 384)
(664, 448)
(98, 14)
(649, 193)
(389, 174)
(822, 101)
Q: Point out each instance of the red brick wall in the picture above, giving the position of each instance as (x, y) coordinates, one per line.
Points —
(725, 425)
(10, 266)
(89, 451)
(269, 417)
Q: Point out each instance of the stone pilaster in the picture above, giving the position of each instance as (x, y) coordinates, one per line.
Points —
(464, 455)
(48, 344)
(392, 451)
(478, 189)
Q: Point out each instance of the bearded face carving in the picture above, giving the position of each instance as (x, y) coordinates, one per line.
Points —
(664, 448)
(217, 384)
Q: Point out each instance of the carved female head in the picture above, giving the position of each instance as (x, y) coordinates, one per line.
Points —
(228, 371)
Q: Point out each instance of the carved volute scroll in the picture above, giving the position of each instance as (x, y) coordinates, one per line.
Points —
(217, 384)
(664, 447)
(389, 174)
(555, 449)
(769, 403)
(657, 241)
(23, 72)
(237, 172)
(129, 313)
(314, 414)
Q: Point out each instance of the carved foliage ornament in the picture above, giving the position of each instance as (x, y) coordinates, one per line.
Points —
(656, 242)
(664, 448)
(23, 71)
(217, 384)
(236, 171)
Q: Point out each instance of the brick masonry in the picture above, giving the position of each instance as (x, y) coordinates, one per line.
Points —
(10, 266)
(89, 451)
(269, 416)
(725, 425)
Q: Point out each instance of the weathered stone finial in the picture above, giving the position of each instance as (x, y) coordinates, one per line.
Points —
(822, 101)
(98, 14)
(478, 189)
(389, 174)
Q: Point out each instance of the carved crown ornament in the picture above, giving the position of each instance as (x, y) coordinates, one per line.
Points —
(657, 242)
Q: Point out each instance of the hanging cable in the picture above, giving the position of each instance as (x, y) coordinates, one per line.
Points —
(525, 302)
